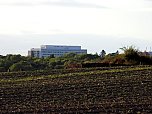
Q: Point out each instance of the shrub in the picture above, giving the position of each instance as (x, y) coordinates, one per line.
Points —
(21, 66)
(72, 64)
(131, 54)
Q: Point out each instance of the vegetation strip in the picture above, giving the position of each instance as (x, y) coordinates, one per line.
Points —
(32, 78)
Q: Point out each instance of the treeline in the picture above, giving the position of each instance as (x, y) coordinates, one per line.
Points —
(11, 63)
(131, 56)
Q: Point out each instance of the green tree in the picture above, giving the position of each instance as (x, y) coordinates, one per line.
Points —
(70, 55)
(72, 64)
(131, 54)
(21, 66)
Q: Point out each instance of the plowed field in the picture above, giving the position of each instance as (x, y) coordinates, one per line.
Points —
(115, 91)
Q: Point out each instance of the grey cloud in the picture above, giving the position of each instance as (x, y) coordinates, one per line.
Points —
(17, 4)
(73, 4)
(21, 4)
(63, 3)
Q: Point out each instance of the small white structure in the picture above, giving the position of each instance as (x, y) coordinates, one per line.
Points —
(55, 50)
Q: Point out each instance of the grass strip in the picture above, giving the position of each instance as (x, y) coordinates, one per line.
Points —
(33, 78)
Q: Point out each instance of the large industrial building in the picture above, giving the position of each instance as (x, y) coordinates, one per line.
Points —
(55, 50)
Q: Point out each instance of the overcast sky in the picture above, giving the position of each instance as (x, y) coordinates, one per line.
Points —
(93, 24)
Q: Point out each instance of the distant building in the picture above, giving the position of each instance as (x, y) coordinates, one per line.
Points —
(150, 53)
(145, 53)
(114, 54)
(35, 52)
(55, 50)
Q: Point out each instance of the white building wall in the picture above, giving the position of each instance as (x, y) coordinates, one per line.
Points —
(56, 50)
